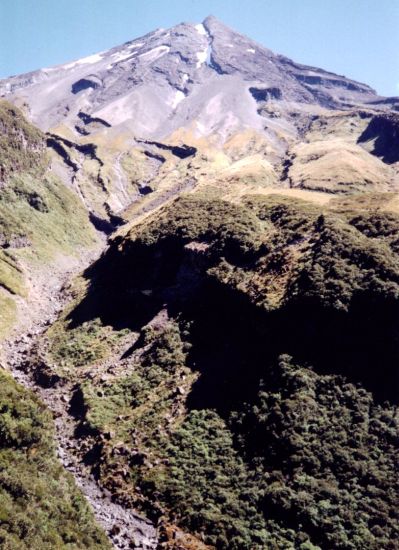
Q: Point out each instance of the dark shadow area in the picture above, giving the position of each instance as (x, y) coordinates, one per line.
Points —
(87, 119)
(77, 408)
(213, 64)
(145, 189)
(265, 94)
(384, 129)
(93, 458)
(234, 342)
(101, 224)
(154, 156)
(84, 84)
(55, 144)
(127, 290)
(182, 151)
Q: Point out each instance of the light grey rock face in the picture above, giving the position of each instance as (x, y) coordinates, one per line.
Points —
(205, 77)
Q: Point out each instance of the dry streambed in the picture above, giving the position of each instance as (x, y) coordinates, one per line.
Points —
(125, 528)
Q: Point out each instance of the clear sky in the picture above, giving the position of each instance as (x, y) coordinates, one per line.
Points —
(356, 38)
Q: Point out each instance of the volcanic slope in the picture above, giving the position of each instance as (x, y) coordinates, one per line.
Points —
(201, 102)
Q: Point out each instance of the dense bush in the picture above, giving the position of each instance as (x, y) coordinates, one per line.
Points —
(327, 455)
(232, 229)
(199, 424)
(40, 507)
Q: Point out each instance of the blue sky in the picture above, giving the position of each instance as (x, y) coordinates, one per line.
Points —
(357, 38)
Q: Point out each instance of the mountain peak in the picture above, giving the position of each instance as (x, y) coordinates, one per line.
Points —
(174, 78)
(212, 20)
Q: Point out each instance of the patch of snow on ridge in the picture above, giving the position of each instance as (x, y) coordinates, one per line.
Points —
(251, 50)
(204, 57)
(155, 53)
(120, 56)
(89, 59)
(136, 45)
(201, 29)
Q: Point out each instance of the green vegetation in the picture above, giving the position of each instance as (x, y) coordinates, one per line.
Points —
(40, 506)
(8, 313)
(21, 144)
(324, 454)
(232, 229)
(309, 464)
(81, 346)
(163, 354)
(11, 276)
(40, 219)
(240, 414)
(208, 486)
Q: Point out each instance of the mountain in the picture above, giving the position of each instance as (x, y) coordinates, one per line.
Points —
(205, 78)
(199, 277)
(120, 122)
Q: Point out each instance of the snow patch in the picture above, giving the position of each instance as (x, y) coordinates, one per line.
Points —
(179, 96)
(204, 56)
(89, 59)
(201, 29)
(251, 50)
(155, 53)
(120, 56)
(201, 57)
(136, 45)
(230, 45)
(185, 78)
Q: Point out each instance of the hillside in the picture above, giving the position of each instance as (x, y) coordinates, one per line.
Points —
(249, 348)
(41, 220)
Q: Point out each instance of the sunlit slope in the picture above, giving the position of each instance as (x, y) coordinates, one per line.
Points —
(40, 219)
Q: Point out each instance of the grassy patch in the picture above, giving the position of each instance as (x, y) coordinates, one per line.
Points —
(21, 144)
(11, 276)
(46, 214)
(82, 345)
(8, 313)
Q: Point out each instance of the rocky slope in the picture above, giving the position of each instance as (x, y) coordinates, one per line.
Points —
(225, 374)
(204, 75)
